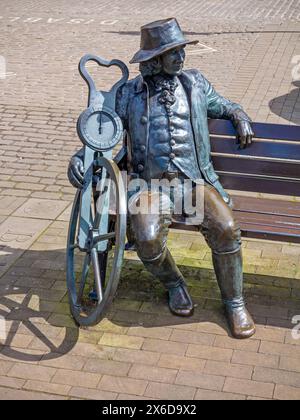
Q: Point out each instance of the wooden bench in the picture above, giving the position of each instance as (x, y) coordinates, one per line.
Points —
(270, 165)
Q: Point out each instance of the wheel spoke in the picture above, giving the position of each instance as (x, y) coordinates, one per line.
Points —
(85, 271)
(104, 237)
(98, 285)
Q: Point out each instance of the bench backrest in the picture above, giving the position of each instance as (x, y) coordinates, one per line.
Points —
(270, 165)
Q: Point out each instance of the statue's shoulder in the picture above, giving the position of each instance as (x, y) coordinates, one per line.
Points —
(194, 75)
(124, 95)
(129, 88)
(132, 84)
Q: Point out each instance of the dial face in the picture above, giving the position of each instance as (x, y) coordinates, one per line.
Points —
(100, 129)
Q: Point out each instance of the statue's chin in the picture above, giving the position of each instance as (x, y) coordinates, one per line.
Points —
(178, 73)
(174, 72)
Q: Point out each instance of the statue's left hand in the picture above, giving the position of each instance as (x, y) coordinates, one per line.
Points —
(244, 133)
(76, 171)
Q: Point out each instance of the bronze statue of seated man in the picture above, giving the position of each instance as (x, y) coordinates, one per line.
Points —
(165, 113)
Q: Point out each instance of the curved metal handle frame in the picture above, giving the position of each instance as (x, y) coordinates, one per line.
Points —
(103, 63)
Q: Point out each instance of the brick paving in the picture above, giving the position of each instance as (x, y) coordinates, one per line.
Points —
(139, 350)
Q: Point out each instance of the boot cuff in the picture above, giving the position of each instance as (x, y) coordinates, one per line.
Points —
(234, 303)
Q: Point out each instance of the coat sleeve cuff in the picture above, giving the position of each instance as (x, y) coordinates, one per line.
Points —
(238, 115)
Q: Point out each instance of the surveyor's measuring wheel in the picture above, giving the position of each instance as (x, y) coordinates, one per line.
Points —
(97, 231)
(93, 272)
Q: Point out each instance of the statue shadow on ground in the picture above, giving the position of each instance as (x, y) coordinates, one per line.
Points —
(29, 296)
(33, 301)
(278, 105)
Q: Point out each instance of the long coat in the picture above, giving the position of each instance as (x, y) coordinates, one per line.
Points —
(132, 105)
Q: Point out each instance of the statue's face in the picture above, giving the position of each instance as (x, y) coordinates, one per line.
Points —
(173, 61)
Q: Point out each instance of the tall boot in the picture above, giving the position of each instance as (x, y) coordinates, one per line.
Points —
(229, 272)
(166, 270)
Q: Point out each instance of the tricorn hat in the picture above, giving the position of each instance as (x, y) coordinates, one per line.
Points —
(158, 37)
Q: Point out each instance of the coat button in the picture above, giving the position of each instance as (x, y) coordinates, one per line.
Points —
(172, 142)
(172, 155)
(140, 168)
(144, 119)
(143, 148)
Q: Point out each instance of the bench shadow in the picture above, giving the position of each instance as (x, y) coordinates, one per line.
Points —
(273, 301)
(33, 301)
(280, 105)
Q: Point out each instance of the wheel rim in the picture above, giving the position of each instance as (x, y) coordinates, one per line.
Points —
(109, 280)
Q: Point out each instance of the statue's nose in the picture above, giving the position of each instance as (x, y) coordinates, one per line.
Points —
(180, 58)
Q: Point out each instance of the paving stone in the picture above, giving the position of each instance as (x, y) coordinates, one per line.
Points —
(5, 381)
(17, 340)
(152, 373)
(270, 348)
(12, 394)
(255, 359)
(115, 340)
(205, 395)
(173, 361)
(155, 332)
(277, 376)
(231, 343)
(127, 304)
(47, 387)
(136, 356)
(17, 234)
(107, 367)
(41, 209)
(122, 385)
(289, 364)
(250, 388)
(209, 353)
(162, 346)
(169, 391)
(228, 369)
(200, 380)
(92, 394)
(90, 350)
(63, 361)
(283, 392)
(192, 337)
(9, 204)
(132, 397)
(269, 334)
(24, 371)
(5, 367)
(75, 378)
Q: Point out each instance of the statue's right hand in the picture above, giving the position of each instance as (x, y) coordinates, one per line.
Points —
(76, 172)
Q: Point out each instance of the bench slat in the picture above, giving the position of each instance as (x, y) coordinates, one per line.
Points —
(259, 167)
(255, 231)
(270, 149)
(266, 206)
(268, 233)
(290, 224)
(261, 130)
(261, 185)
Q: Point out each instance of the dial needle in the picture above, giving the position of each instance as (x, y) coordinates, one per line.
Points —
(100, 126)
